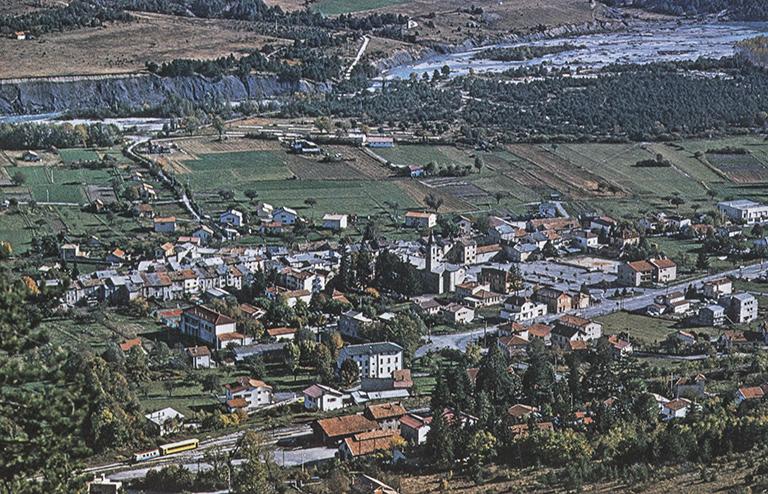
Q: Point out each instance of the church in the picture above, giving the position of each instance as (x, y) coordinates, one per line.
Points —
(438, 276)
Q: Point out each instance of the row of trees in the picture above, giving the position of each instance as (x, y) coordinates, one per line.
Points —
(42, 136)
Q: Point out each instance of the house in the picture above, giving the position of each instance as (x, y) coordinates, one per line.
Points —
(165, 224)
(675, 409)
(128, 345)
(520, 412)
(746, 393)
(322, 398)
(691, 386)
(203, 233)
(30, 156)
(198, 356)
(564, 336)
(363, 484)
(417, 219)
(524, 428)
(117, 256)
(70, 252)
(376, 360)
(264, 210)
(717, 288)
(335, 222)
(380, 141)
(557, 301)
(332, 430)
(731, 340)
(499, 280)
(247, 394)
(414, 428)
(483, 298)
(429, 306)
(103, 485)
(207, 325)
(165, 421)
(620, 347)
(387, 415)
(20, 35)
(367, 443)
(711, 315)
(457, 314)
(665, 270)
(741, 308)
(231, 217)
(586, 240)
(285, 216)
(591, 330)
(513, 346)
(415, 171)
(635, 273)
(685, 337)
(639, 273)
(282, 333)
(744, 211)
(352, 323)
(540, 331)
(521, 309)
(522, 252)
(302, 146)
(143, 211)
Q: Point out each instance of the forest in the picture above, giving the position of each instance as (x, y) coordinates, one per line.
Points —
(521, 53)
(44, 136)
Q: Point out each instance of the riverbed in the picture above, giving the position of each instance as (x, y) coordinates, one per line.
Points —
(653, 42)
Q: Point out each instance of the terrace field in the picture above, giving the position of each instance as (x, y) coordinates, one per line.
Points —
(237, 170)
(336, 7)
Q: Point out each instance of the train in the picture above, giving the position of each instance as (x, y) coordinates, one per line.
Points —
(166, 449)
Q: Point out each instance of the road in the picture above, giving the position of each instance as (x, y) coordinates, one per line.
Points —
(184, 198)
(460, 341)
(360, 53)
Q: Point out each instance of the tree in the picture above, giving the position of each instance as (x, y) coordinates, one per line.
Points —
(479, 163)
(292, 357)
(440, 441)
(251, 194)
(349, 372)
(539, 378)
(702, 261)
(480, 449)
(495, 379)
(19, 178)
(218, 125)
(498, 196)
(211, 383)
(433, 201)
(258, 471)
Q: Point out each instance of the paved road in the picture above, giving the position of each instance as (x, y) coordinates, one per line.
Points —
(460, 341)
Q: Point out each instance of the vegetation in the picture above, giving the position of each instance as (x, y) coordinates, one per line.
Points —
(522, 53)
(43, 136)
(743, 10)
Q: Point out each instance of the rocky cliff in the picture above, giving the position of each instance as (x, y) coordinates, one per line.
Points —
(61, 94)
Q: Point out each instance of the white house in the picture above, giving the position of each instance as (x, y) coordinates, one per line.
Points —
(414, 428)
(717, 288)
(165, 224)
(457, 314)
(322, 398)
(417, 219)
(335, 222)
(248, 394)
(522, 309)
(204, 233)
(285, 216)
(198, 356)
(207, 325)
(352, 322)
(165, 421)
(675, 409)
(375, 360)
(744, 211)
(231, 217)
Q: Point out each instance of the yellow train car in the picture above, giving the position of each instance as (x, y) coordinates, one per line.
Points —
(178, 447)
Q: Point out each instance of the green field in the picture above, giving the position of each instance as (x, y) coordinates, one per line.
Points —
(336, 7)
(70, 156)
(362, 197)
(421, 154)
(58, 184)
(643, 328)
(238, 170)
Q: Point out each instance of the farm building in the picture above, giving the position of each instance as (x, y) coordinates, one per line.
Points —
(335, 222)
(417, 219)
(380, 142)
(165, 224)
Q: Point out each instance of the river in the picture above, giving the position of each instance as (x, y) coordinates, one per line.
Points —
(650, 43)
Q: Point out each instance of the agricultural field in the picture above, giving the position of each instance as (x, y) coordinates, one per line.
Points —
(422, 154)
(741, 168)
(72, 156)
(237, 170)
(120, 48)
(336, 7)
(56, 183)
(645, 329)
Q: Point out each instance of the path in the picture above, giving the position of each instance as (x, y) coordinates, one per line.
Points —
(360, 53)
